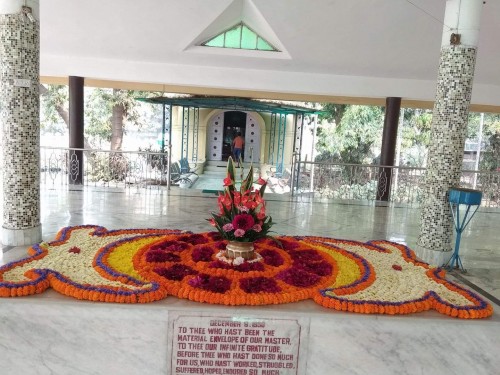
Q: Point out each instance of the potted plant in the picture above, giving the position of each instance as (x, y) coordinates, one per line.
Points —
(242, 218)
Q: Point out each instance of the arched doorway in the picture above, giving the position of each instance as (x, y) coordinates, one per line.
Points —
(223, 127)
(234, 124)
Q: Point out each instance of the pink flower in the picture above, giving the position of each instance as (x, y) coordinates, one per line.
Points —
(212, 222)
(228, 181)
(243, 209)
(243, 221)
(257, 228)
(227, 227)
(239, 233)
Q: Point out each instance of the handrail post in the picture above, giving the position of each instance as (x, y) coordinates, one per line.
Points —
(292, 174)
(76, 128)
(169, 162)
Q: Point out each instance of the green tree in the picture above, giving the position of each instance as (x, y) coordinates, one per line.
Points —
(54, 109)
(490, 159)
(415, 136)
(108, 112)
(333, 113)
(490, 156)
(355, 135)
(473, 125)
(54, 102)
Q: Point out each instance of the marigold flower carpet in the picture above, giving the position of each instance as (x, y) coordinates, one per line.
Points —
(145, 265)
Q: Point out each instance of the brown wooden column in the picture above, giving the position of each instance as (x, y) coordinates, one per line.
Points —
(389, 137)
(76, 126)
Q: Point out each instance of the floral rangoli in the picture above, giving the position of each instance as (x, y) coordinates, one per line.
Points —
(145, 265)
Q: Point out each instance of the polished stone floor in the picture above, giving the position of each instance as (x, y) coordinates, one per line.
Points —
(187, 209)
(52, 333)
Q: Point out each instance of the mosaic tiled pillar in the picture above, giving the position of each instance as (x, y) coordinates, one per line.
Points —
(449, 129)
(19, 120)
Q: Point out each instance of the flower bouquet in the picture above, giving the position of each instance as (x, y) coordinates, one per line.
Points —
(242, 215)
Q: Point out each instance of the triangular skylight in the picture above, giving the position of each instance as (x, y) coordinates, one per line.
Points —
(238, 29)
(240, 36)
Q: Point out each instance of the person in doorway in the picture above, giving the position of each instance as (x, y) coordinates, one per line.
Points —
(238, 143)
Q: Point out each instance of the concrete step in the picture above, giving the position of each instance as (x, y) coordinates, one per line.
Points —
(214, 174)
(220, 168)
(224, 163)
(222, 174)
(215, 168)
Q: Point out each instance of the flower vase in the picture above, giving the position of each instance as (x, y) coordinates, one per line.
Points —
(235, 249)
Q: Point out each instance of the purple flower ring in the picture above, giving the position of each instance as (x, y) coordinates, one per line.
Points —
(144, 265)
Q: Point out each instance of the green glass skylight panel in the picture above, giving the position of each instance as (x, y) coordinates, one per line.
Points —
(248, 38)
(240, 36)
(218, 41)
(233, 38)
(263, 45)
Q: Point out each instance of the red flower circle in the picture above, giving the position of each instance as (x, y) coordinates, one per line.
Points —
(259, 284)
(278, 278)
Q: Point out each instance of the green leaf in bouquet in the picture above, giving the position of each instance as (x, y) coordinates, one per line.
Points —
(247, 183)
(230, 169)
(262, 189)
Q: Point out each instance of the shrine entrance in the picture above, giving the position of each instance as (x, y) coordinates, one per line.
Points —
(233, 115)
(224, 126)
(234, 122)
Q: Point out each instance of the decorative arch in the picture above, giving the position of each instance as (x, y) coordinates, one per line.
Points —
(253, 136)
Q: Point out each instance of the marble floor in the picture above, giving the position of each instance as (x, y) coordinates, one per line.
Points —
(40, 334)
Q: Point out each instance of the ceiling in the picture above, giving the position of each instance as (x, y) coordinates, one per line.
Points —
(338, 48)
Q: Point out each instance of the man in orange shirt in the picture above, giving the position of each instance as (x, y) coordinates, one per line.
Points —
(238, 143)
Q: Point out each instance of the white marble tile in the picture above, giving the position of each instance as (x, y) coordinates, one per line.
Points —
(81, 338)
(391, 345)
(52, 334)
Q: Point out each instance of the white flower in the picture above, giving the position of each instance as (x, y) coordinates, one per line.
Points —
(238, 260)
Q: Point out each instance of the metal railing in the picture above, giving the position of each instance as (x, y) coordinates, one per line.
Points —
(307, 180)
(125, 169)
(488, 182)
(370, 182)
